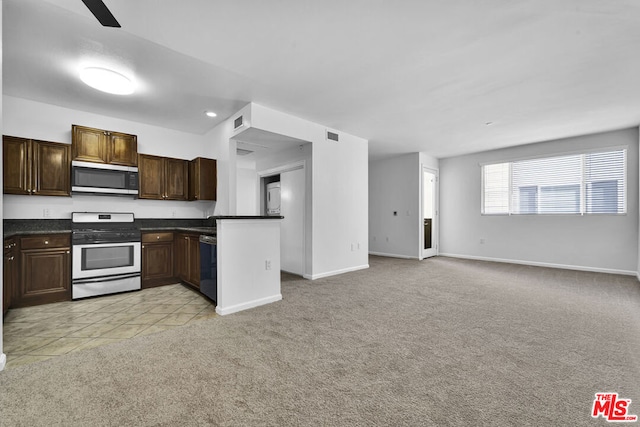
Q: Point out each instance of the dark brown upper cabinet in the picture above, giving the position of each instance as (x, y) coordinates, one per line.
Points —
(202, 179)
(162, 178)
(103, 146)
(35, 167)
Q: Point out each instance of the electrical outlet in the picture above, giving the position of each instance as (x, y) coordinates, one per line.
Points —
(46, 213)
(267, 264)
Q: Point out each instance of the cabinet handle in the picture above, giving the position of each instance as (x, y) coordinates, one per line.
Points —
(158, 237)
(142, 246)
(11, 259)
(46, 242)
(67, 252)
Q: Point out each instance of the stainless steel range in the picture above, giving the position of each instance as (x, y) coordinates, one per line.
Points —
(106, 253)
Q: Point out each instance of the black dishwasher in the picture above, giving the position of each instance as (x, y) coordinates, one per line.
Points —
(209, 266)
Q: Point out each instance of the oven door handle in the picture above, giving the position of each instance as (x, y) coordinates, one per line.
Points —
(105, 279)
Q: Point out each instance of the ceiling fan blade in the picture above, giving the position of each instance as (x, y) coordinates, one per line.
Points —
(102, 13)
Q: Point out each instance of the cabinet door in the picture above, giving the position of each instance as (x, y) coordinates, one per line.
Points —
(88, 144)
(15, 163)
(45, 276)
(202, 179)
(180, 256)
(176, 179)
(151, 177)
(193, 243)
(9, 274)
(51, 169)
(157, 263)
(123, 149)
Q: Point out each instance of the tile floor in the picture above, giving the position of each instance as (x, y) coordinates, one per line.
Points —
(32, 334)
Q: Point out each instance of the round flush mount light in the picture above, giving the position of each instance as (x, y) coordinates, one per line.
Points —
(106, 80)
(210, 114)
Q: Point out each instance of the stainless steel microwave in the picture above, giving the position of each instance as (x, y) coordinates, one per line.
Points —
(99, 178)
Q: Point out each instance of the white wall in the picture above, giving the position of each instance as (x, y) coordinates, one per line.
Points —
(283, 160)
(248, 191)
(30, 119)
(245, 247)
(339, 191)
(395, 185)
(606, 243)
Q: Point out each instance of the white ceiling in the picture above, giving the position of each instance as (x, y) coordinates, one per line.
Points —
(411, 75)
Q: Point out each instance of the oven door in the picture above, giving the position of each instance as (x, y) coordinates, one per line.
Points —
(105, 259)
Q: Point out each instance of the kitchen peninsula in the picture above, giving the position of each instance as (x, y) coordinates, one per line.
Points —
(243, 269)
(248, 272)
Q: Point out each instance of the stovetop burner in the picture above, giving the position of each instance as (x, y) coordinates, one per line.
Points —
(101, 227)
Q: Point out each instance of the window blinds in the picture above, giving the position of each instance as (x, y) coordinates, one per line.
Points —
(587, 183)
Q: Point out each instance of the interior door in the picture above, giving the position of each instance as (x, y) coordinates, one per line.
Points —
(292, 191)
(429, 232)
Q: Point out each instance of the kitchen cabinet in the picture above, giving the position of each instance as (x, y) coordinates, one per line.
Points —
(33, 167)
(45, 270)
(162, 178)
(202, 179)
(157, 259)
(187, 258)
(103, 146)
(9, 273)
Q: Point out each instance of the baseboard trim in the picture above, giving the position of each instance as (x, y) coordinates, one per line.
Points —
(392, 255)
(335, 272)
(3, 361)
(545, 264)
(223, 311)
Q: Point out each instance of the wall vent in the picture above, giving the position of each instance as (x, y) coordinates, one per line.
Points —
(332, 136)
(237, 123)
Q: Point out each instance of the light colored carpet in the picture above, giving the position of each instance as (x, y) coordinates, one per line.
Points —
(437, 342)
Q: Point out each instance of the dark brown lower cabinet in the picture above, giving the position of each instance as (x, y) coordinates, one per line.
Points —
(9, 273)
(45, 270)
(157, 259)
(187, 258)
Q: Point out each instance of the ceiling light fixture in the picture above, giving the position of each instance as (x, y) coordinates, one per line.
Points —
(210, 114)
(106, 80)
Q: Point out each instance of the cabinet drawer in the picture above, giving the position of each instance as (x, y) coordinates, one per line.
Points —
(45, 241)
(157, 237)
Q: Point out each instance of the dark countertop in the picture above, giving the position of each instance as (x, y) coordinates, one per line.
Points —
(246, 217)
(8, 234)
(13, 227)
(211, 231)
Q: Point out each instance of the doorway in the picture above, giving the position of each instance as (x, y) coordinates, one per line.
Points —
(292, 195)
(429, 232)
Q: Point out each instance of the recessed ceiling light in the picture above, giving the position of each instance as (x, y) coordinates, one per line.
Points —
(106, 80)
(210, 114)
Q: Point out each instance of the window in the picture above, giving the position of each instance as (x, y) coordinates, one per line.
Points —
(589, 183)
